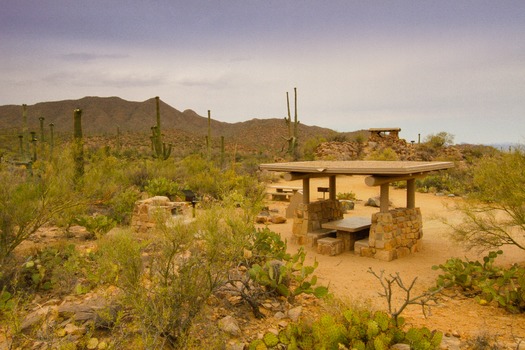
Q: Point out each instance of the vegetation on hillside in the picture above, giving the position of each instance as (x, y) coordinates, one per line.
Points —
(160, 284)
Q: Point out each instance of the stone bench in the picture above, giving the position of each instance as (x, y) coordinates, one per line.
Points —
(314, 236)
(361, 245)
(330, 246)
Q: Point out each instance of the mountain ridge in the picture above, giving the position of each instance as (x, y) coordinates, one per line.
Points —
(102, 116)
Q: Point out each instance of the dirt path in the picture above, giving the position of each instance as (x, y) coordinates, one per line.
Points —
(347, 275)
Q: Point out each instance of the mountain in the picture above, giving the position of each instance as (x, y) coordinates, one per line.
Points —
(102, 116)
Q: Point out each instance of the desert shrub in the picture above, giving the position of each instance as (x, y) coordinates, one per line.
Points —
(493, 213)
(347, 196)
(119, 260)
(186, 263)
(486, 281)
(439, 140)
(310, 146)
(58, 268)
(433, 183)
(383, 154)
(29, 202)
(98, 225)
(161, 186)
(121, 205)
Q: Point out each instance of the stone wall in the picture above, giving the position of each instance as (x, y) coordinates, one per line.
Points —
(394, 234)
(148, 212)
(309, 217)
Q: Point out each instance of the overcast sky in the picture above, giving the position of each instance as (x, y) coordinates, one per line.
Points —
(424, 66)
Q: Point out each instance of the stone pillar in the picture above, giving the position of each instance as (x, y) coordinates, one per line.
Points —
(411, 193)
(331, 187)
(306, 190)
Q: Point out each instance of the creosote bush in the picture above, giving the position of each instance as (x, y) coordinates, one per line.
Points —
(493, 213)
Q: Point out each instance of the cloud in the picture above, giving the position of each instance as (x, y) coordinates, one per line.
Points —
(79, 57)
(105, 79)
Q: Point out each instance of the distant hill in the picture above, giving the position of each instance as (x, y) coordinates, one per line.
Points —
(102, 115)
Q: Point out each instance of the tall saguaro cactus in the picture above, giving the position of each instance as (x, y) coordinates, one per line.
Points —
(208, 138)
(51, 136)
(42, 135)
(25, 151)
(160, 149)
(78, 144)
(292, 126)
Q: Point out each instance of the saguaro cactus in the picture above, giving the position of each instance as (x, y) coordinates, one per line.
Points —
(78, 144)
(208, 138)
(33, 143)
(25, 154)
(51, 136)
(42, 137)
(292, 128)
(161, 151)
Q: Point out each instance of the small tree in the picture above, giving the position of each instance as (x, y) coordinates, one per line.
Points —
(28, 203)
(441, 139)
(494, 213)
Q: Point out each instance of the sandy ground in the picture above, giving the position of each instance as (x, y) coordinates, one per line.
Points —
(348, 279)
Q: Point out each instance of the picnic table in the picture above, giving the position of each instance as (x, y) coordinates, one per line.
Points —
(350, 229)
(283, 192)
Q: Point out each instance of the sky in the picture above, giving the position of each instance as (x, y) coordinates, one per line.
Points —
(424, 66)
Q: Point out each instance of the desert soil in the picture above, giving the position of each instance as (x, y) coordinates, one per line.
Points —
(348, 278)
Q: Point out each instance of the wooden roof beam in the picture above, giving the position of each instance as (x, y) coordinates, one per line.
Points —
(380, 180)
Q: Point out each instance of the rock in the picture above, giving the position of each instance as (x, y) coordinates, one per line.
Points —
(70, 328)
(92, 344)
(261, 219)
(279, 315)
(98, 310)
(373, 202)
(236, 346)
(450, 343)
(376, 202)
(347, 204)
(277, 219)
(229, 325)
(37, 317)
(295, 313)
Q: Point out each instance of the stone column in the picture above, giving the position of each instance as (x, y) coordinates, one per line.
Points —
(411, 193)
(306, 190)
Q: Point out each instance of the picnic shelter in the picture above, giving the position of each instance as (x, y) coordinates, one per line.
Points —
(387, 235)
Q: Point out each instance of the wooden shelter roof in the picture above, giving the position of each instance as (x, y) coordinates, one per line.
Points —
(358, 167)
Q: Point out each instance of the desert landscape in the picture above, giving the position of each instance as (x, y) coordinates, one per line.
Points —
(454, 315)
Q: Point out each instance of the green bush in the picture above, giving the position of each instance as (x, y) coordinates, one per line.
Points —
(59, 268)
(486, 281)
(288, 278)
(355, 329)
(97, 225)
(383, 154)
(122, 204)
(347, 196)
(161, 186)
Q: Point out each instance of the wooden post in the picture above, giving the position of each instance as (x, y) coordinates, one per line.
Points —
(331, 187)
(306, 190)
(411, 193)
(384, 200)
